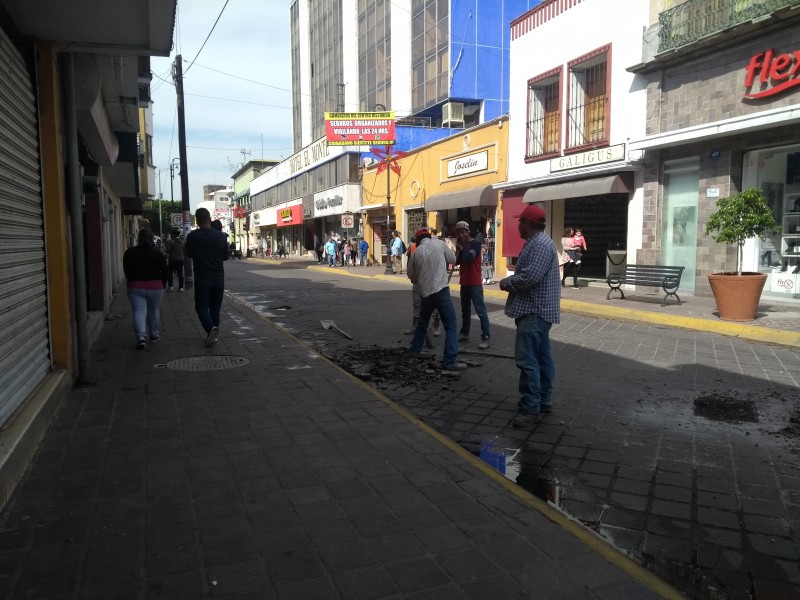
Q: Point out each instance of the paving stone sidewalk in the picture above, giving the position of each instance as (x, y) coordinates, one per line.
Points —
(256, 469)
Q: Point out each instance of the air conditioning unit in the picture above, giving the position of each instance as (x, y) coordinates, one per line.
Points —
(453, 114)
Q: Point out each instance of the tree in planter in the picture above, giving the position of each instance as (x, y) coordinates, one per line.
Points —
(740, 217)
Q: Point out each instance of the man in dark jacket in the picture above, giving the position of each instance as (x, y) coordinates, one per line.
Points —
(207, 248)
(174, 248)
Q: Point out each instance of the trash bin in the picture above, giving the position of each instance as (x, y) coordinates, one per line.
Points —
(615, 261)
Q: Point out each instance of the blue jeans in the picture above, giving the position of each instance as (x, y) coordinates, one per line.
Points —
(535, 363)
(208, 294)
(363, 259)
(146, 306)
(331, 260)
(473, 295)
(443, 303)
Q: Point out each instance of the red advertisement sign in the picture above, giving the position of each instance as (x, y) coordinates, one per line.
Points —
(768, 74)
(291, 215)
(359, 129)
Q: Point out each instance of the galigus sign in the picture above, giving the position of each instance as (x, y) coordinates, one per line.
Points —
(768, 73)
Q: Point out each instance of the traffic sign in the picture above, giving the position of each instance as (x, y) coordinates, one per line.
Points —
(347, 221)
(176, 219)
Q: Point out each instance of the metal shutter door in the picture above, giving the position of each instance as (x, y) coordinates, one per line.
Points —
(24, 336)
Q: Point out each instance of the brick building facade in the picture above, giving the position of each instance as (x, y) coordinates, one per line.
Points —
(723, 114)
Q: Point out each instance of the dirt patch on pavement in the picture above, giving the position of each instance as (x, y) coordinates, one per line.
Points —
(718, 407)
(385, 366)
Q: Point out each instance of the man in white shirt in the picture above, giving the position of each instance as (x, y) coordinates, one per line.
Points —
(427, 268)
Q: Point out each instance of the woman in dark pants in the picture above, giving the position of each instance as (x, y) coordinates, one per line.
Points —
(569, 258)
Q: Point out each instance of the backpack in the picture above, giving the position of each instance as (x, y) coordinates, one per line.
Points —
(403, 246)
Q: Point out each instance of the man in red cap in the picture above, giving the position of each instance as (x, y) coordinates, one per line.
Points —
(427, 269)
(534, 296)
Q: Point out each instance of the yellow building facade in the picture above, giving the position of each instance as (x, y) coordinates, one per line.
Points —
(440, 184)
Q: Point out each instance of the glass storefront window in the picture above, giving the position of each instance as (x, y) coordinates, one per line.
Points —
(679, 219)
(776, 171)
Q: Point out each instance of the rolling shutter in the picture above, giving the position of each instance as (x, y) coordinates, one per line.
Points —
(24, 336)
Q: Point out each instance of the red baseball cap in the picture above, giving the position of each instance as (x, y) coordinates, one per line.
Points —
(532, 213)
(421, 231)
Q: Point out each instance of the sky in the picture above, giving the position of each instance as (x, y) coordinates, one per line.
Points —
(237, 91)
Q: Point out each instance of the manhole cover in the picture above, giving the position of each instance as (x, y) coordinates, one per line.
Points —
(723, 408)
(206, 363)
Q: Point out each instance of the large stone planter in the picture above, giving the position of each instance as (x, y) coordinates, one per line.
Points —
(737, 296)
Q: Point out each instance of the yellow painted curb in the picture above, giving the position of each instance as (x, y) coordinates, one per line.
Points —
(727, 328)
(586, 536)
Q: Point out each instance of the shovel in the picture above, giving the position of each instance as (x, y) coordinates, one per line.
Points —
(332, 325)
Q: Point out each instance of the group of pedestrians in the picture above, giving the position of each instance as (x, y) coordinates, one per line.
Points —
(342, 253)
(148, 274)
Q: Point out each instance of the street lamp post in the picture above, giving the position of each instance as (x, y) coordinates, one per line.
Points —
(389, 240)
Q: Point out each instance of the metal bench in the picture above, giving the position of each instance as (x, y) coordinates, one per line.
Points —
(667, 278)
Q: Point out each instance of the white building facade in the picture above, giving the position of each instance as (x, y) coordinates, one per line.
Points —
(573, 109)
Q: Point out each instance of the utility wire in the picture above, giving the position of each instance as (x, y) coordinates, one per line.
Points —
(191, 63)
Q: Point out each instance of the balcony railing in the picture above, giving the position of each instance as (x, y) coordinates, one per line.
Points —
(695, 19)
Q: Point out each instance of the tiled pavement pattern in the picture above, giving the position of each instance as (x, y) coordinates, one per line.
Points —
(714, 506)
(280, 478)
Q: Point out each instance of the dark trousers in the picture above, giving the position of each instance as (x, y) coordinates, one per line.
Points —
(208, 292)
(570, 268)
(176, 266)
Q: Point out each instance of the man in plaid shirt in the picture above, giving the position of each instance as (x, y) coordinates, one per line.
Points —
(534, 296)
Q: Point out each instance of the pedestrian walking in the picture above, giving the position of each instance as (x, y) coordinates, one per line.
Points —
(354, 252)
(363, 249)
(428, 269)
(534, 304)
(174, 248)
(208, 249)
(330, 252)
(146, 272)
(468, 260)
(343, 251)
(319, 247)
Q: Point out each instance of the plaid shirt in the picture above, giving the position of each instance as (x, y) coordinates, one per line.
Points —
(535, 286)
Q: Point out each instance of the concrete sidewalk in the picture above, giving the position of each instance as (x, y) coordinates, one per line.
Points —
(259, 469)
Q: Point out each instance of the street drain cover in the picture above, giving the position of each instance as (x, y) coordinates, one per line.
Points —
(723, 408)
(206, 363)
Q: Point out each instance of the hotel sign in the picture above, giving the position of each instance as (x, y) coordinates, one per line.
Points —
(587, 159)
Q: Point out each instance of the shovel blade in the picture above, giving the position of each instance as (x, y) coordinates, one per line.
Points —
(327, 324)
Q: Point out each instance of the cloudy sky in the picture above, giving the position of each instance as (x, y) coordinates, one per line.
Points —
(237, 91)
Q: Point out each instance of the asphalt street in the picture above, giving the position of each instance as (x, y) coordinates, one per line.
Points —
(711, 503)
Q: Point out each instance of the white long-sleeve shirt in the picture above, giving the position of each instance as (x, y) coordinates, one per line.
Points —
(427, 267)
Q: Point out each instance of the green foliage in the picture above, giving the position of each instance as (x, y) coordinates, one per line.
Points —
(740, 217)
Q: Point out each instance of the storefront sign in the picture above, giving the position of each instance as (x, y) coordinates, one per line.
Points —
(256, 219)
(471, 163)
(587, 159)
(325, 203)
(712, 192)
(291, 215)
(775, 73)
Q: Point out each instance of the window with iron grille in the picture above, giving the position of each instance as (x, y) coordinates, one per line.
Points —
(587, 118)
(544, 115)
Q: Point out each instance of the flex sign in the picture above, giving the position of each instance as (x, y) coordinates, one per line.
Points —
(291, 215)
(358, 129)
(768, 74)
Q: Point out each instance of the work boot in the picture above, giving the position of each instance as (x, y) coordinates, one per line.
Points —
(437, 331)
(412, 329)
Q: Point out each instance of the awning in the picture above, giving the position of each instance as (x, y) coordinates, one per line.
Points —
(613, 184)
(481, 196)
